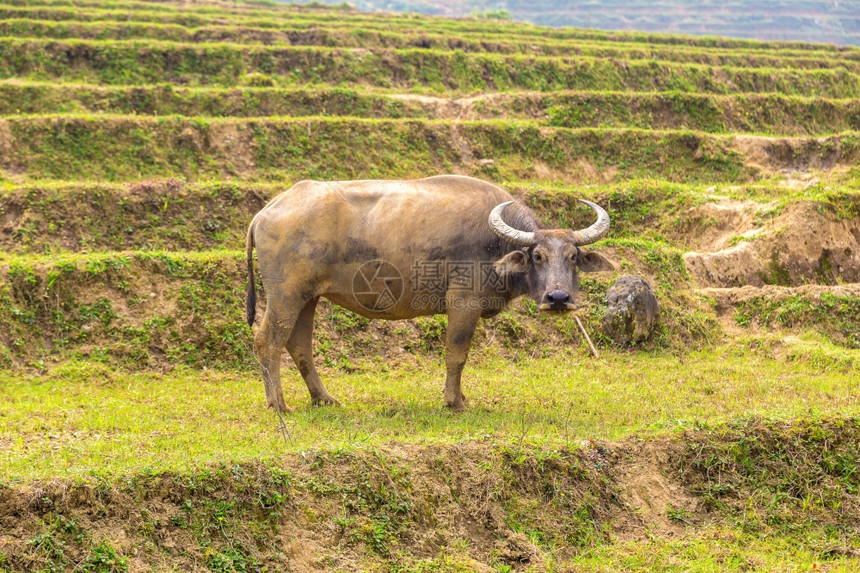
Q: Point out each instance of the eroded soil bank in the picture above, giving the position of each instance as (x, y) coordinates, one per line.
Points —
(479, 505)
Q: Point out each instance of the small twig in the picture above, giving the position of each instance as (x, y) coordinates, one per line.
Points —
(284, 431)
(267, 381)
(526, 428)
(585, 334)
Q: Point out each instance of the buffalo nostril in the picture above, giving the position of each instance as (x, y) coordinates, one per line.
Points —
(558, 297)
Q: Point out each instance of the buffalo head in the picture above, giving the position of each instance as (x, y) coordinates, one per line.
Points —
(551, 259)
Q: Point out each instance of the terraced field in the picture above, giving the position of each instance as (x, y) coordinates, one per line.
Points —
(137, 140)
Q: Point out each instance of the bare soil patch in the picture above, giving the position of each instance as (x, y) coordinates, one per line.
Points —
(7, 143)
(743, 243)
(787, 155)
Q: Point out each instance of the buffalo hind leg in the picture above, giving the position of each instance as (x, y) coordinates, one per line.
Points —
(300, 347)
(461, 328)
(269, 345)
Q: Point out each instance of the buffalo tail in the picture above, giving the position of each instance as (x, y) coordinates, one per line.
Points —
(251, 294)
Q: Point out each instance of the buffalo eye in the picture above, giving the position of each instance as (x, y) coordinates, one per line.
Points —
(538, 257)
(573, 257)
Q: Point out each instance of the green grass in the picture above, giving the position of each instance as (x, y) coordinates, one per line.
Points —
(750, 113)
(89, 216)
(166, 100)
(715, 549)
(115, 308)
(123, 148)
(377, 505)
(61, 217)
(82, 418)
(134, 434)
(220, 64)
(839, 311)
(368, 38)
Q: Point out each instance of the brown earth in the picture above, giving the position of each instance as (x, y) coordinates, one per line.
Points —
(7, 143)
(320, 511)
(741, 243)
(780, 154)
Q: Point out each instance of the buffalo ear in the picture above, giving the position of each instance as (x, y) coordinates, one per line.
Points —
(512, 263)
(591, 262)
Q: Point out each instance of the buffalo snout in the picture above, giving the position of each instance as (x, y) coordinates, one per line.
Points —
(557, 300)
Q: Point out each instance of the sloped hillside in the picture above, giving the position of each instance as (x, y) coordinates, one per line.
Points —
(137, 140)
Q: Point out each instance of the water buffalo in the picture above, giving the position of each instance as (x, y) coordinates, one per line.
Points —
(401, 249)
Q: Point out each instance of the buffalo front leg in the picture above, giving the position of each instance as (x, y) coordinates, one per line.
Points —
(461, 328)
(300, 347)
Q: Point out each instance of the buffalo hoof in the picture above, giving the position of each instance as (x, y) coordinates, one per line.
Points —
(283, 408)
(325, 401)
(457, 405)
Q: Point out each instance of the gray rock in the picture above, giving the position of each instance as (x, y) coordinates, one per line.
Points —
(633, 310)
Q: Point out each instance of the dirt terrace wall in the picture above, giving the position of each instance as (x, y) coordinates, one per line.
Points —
(476, 501)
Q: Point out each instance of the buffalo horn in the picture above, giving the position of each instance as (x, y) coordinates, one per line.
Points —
(597, 230)
(508, 233)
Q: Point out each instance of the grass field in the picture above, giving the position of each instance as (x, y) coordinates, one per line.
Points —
(138, 139)
(84, 419)
(765, 114)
